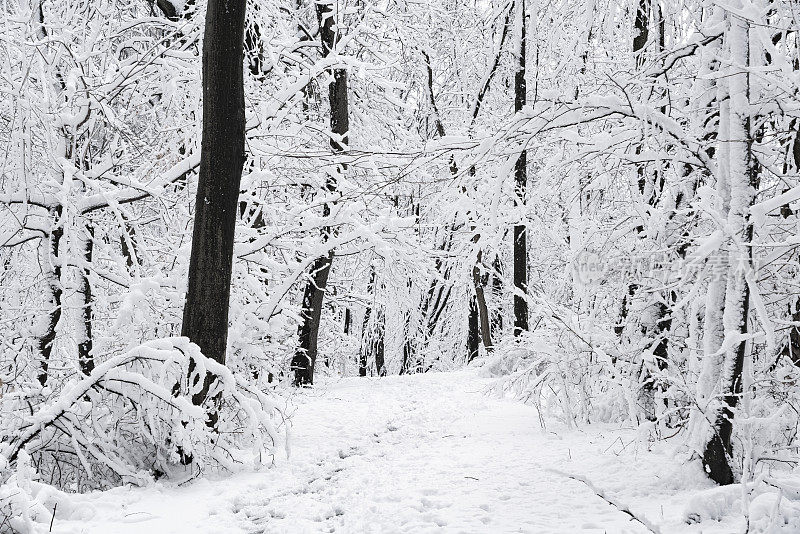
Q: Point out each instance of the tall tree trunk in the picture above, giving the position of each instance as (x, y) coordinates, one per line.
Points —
(479, 281)
(792, 347)
(521, 176)
(711, 95)
(51, 267)
(205, 314)
(48, 250)
(85, 357)
(651, 186)
(743, 178)
(314, 294)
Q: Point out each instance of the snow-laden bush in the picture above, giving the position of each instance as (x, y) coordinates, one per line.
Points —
(134, 418)
(569, 369)
(30, 507)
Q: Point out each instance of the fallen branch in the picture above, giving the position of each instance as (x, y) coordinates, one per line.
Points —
(600, 493)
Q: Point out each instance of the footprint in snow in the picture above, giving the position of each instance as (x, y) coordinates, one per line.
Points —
(352, 451)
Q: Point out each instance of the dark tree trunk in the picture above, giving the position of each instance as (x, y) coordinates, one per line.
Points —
(479, 281)
(497, 294)
(205, 314)
(380, 334)
(362, 359)
(85, 357)
(642, 30)
(792, 348)
(521, 176)
(314, 295)
(51, 264)
(718, 451)
(651, 185)
(473, 334)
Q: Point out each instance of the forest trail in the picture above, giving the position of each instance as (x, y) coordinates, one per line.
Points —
(420, 453)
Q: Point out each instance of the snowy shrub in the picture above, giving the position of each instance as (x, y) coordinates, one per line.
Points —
(766, 510)
(772, 513)
(30, 507)
(138, 416)
(713, 504)
(566, 371)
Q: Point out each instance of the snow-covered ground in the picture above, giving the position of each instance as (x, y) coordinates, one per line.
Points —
(425, 453)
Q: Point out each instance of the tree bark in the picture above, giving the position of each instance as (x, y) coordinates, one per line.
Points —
(51, 266)
(313, 298)
(314, 295)
(521, 177)
(169, 10)
(743, 178)
(651, 186)
(205, 314)
(497, 295)
(642, 31)
(711, 95)
(479, 282)
(473, 335)
(85, 357)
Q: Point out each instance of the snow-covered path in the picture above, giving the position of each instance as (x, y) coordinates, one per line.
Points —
(425, 453)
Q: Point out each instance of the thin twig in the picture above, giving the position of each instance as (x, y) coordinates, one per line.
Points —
(52, 519)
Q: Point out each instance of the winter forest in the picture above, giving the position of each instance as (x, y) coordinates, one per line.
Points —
(399, 266)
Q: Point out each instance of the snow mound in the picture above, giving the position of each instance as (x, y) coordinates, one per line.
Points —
(713, 504)
(770, 512)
